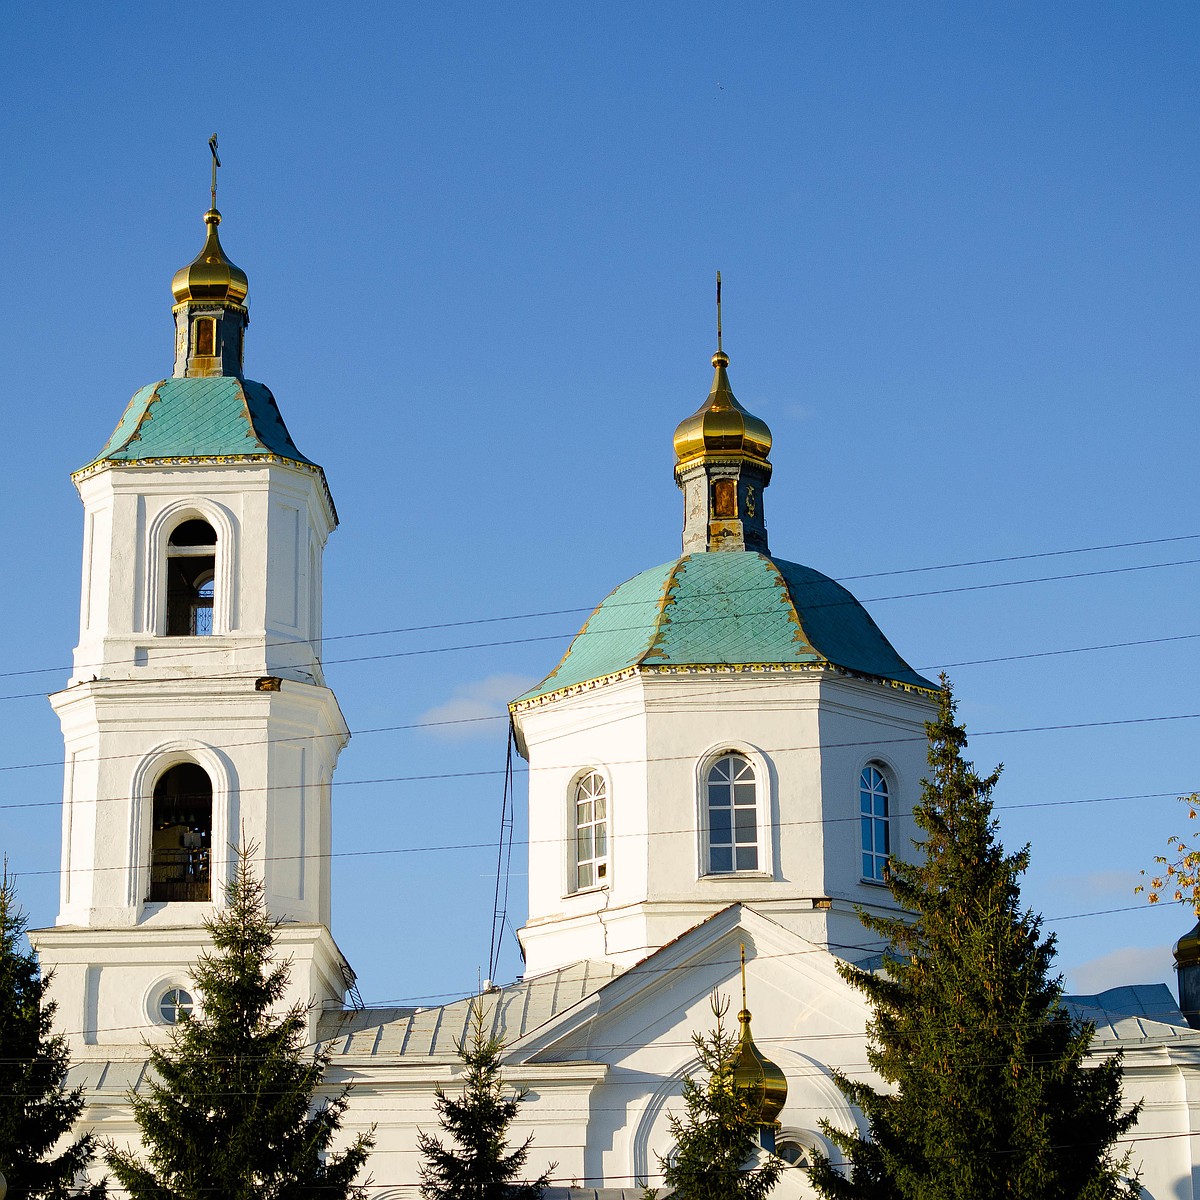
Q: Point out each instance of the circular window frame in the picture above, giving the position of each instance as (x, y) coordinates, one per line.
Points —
(156, 997)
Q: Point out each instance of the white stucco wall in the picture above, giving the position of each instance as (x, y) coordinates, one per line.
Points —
(652, 736)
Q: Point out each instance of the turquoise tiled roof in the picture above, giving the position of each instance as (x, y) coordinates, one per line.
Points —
(216, 417)
(734, 608)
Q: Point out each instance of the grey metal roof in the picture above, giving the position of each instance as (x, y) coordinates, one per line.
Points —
(587, 1193)
(509, 1014)
(114, 1078)
(1139, 1012)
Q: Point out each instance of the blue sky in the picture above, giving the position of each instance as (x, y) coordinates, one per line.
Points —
(961, 277)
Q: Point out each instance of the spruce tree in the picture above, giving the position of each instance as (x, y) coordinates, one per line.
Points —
(36, 1109)
(716, 1140)
(231, 1110)
(989, 1095)
(479, 1164)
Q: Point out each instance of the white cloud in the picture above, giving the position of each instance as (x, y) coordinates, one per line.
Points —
(1117, 968)
(1099, 885)
(800, 412)
(466, 714)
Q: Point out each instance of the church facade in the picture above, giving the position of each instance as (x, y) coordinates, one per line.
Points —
(719, 765)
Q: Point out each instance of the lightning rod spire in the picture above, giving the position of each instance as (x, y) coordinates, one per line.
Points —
(743, 977)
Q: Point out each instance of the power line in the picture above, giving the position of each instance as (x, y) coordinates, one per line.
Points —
(643, 760)
(986, 562)
(586, 632)
(446, 847)
(722, 690)
(193, 651)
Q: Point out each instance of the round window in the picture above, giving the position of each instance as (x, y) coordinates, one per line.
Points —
(175, 1004)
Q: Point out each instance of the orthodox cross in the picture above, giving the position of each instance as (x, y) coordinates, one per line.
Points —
(212, 145)
(718, 304)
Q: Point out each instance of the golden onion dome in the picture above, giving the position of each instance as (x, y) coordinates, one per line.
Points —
(1187, 949)
(210, 275)
(721, 426)
(758, 1079)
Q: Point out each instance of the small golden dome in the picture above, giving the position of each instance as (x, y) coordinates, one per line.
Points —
(762, 1083)
(210, 275)
(1187, 949)
(721, 426)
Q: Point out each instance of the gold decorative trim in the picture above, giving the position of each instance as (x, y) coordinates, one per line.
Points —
(206, 460)
(575, 689)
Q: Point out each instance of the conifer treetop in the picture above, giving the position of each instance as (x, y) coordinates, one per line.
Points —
(36, 1108)
(235, 1106)
(991, 1092)
(717, 1154)
(476, 1163)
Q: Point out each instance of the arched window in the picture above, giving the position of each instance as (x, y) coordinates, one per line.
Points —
(181, 835)
(590, 814)
(191, 571)
(794, 1153)
(732, 801)
(874, 819)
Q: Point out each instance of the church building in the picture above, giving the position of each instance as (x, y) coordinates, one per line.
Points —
(719, 766)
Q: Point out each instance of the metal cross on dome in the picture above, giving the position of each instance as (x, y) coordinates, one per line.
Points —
(718, 300)
(216, 162)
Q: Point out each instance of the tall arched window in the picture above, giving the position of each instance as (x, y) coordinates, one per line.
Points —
(590, 814)
(191, 571)
(732, 800)
(874, 819)
(181, 835)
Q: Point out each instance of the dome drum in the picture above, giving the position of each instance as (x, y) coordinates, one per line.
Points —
(210, 339)
(723, 505)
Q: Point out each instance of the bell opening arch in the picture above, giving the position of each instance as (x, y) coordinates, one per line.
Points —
(180, 831)
(218, 576)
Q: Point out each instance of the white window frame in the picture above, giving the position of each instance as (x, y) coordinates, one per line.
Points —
(879, 861)
(154, 611)
(151, 849)
(810, 1142)
(179, 1000)
(764, 809)
(600, 863)
(145, 775)
(157, 993)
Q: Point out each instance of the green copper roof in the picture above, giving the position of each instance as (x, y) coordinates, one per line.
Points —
(733, 608)
(219, 416)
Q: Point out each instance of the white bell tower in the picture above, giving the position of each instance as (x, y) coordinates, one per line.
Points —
(197, 713)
